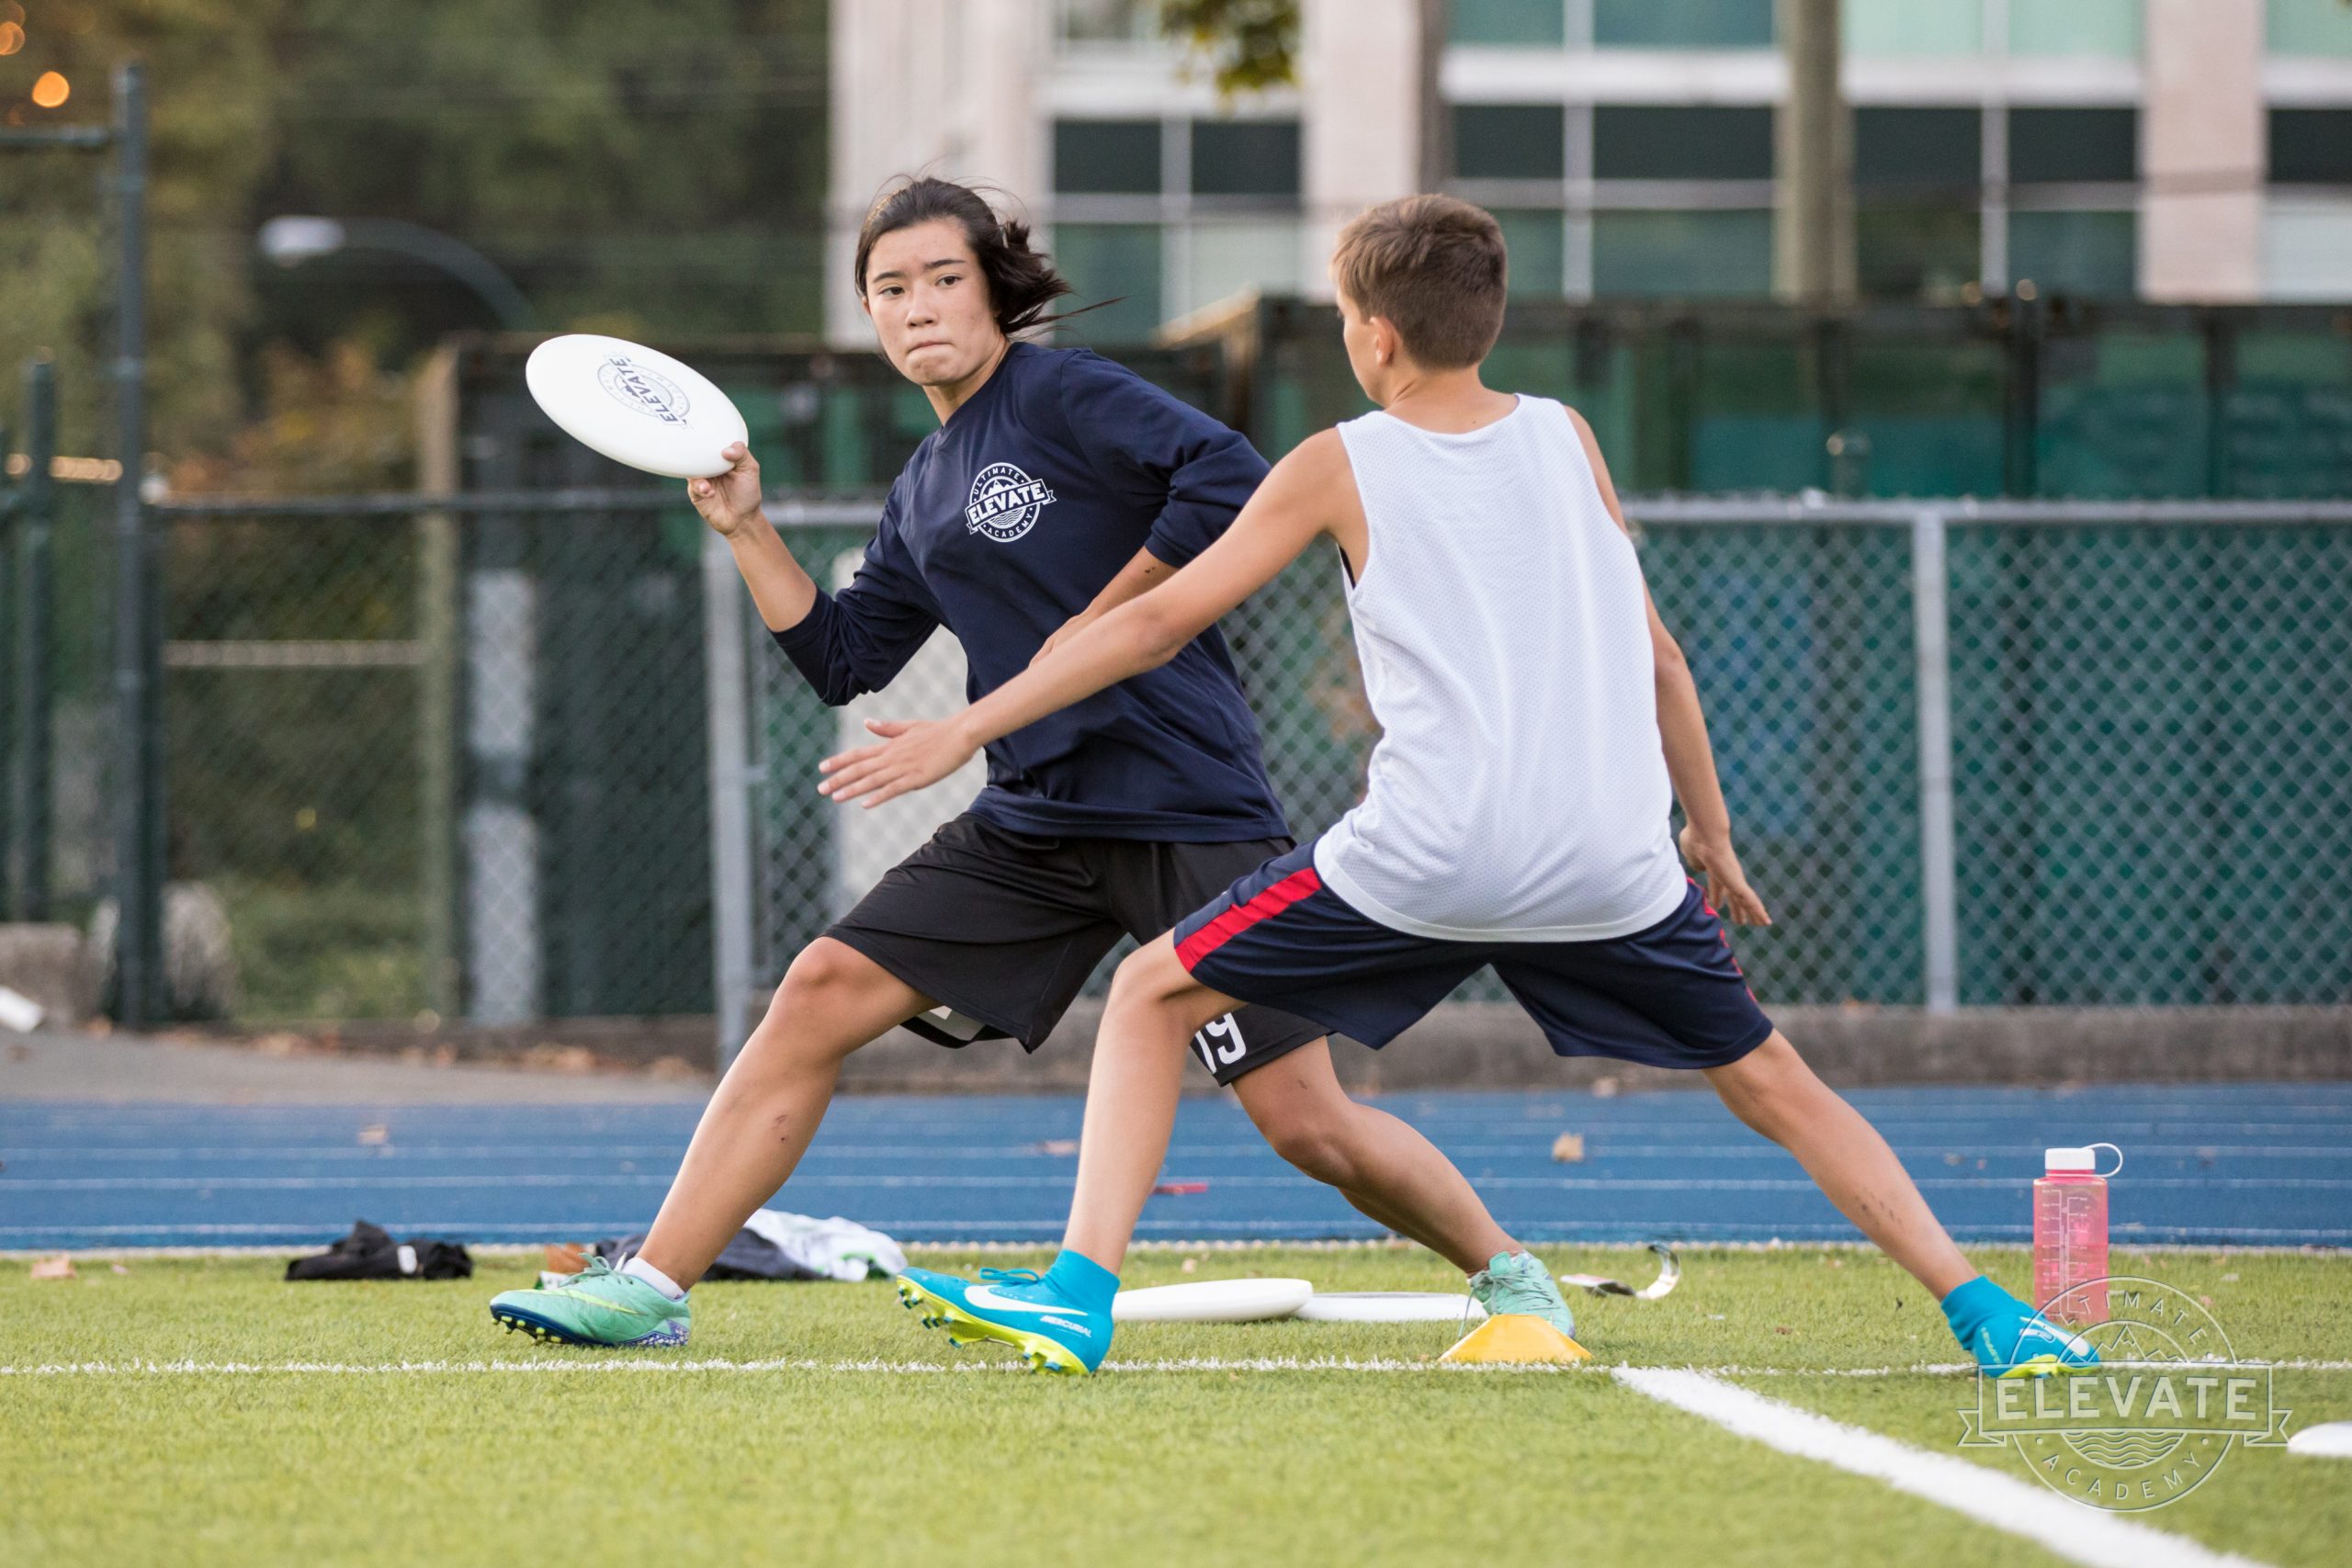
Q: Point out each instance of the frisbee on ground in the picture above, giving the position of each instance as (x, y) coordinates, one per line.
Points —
(2333, 1440)
(1212, 1301)
(635, 404)
(1390, 1306)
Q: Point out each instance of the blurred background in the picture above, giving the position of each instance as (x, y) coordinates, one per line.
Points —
(1980, 372)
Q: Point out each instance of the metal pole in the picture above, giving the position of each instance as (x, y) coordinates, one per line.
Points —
(1813, 230)
(139, 783)
(1930, 635)
(727, 680)
(29, 788)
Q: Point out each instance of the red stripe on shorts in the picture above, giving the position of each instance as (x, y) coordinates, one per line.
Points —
(1300, 883)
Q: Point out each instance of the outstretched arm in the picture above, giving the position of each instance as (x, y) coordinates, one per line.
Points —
(1298, 502)
(1689, 759)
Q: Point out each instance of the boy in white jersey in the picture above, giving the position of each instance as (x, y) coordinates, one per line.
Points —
(1535, 714)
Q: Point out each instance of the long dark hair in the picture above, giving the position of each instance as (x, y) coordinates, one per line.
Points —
(1021, 281)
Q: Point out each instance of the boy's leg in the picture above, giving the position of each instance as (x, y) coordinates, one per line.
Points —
(1140, 1052)
(1773, 1091)
(758, 1124)
(1379, 1164)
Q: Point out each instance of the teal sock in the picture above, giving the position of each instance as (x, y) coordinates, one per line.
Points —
(1973, 1305)
(1082, 1281)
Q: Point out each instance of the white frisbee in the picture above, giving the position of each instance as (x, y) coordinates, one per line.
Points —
(2333, 1440)
(1390, 1306)
(634, 404)
(1212, 1301)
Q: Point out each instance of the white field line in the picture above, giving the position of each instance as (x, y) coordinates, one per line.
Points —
(2007, 1502)
(2123, 1248)
(655, 1364)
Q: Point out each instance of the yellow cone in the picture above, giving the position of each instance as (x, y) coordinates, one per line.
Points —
(1516, 1338)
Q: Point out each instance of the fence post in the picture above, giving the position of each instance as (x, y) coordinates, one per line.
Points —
(726, 680)
(1931, 643)
(28, 786)
(138, 643)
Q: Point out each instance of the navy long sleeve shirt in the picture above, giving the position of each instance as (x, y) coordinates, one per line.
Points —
(1009, 519)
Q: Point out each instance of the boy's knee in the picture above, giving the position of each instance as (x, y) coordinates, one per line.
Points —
(1149, 976)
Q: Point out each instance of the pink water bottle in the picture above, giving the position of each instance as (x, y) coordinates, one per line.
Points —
(2070, 1235)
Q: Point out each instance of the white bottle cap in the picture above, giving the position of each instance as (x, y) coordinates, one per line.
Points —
(2070, 1159)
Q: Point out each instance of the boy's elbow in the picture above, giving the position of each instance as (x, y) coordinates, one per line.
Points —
(1666, 656)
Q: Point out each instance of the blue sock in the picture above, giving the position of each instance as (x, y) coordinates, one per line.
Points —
(1973, 1305)
(1082, 1281)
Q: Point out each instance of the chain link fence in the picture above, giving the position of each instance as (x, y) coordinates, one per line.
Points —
(2015, 753)
(527, 755)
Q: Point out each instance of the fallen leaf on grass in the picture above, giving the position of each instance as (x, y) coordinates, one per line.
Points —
(54, 1268)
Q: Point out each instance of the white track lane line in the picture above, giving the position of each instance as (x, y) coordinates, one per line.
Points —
(2007, 1502)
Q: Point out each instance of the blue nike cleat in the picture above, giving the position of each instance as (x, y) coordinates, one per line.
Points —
(2009, 1338)
(1056, 1329)
(2029, 1345)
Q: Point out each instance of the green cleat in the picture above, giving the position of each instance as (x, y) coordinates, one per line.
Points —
(1518, 1284)
(599, 1305)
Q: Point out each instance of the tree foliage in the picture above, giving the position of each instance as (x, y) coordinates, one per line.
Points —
(658, 172)
(1251, 44)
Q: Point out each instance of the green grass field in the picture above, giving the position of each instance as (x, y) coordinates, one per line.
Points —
(394, 1423)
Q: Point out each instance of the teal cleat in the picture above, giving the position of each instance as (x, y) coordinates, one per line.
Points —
(599, 1305)
(1019, 1307)
(2028, 1345)
(1518, 1284)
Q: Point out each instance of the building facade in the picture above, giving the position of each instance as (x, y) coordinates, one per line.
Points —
(2167, 150)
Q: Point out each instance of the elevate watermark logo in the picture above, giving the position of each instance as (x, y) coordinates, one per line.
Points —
(2146, 1427)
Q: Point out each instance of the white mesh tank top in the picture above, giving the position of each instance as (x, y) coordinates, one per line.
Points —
(1519, 791)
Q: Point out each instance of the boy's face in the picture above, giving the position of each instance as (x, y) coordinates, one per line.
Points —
(929, 303)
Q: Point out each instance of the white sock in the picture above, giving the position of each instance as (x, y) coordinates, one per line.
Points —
(643, 1270)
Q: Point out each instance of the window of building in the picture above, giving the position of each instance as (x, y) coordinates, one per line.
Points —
(1685, 255)
(2311, 147)
(1643, 142)
(2074, 146)
(1219, 257)
(2308, 26)
(1912, 26)
(2106, 28)
(1919, 149)
(1510, 142)
(1244, 157)
(1107, 157)
(1117, 267)
(1526, 24)
(1917, 252)
(1537, 240)
(1682, 24)
(1108, 21)
(1166, 216)
(2096, 254)
(2306, 246)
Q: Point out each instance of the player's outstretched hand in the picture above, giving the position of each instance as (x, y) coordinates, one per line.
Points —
(914, 754)
(731, 499)
(1727, 887)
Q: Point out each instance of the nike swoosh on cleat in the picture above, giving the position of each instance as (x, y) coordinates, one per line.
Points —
(986, 1296)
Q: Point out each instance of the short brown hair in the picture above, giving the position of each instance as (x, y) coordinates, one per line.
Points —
(1436, 267)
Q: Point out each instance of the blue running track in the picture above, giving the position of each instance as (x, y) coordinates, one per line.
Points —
(2208, 1164)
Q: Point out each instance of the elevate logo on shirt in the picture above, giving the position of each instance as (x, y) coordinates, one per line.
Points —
(1005, 502)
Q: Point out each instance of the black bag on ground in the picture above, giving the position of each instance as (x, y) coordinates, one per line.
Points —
(370, 1253)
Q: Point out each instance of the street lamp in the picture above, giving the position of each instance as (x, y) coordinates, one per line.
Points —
(291, 241)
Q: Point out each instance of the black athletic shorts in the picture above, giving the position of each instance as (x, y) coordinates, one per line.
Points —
(1003, 928)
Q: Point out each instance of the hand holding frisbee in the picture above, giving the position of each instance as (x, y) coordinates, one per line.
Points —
(637, 405)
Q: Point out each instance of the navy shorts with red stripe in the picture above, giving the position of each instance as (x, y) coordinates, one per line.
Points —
(1669, 996)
